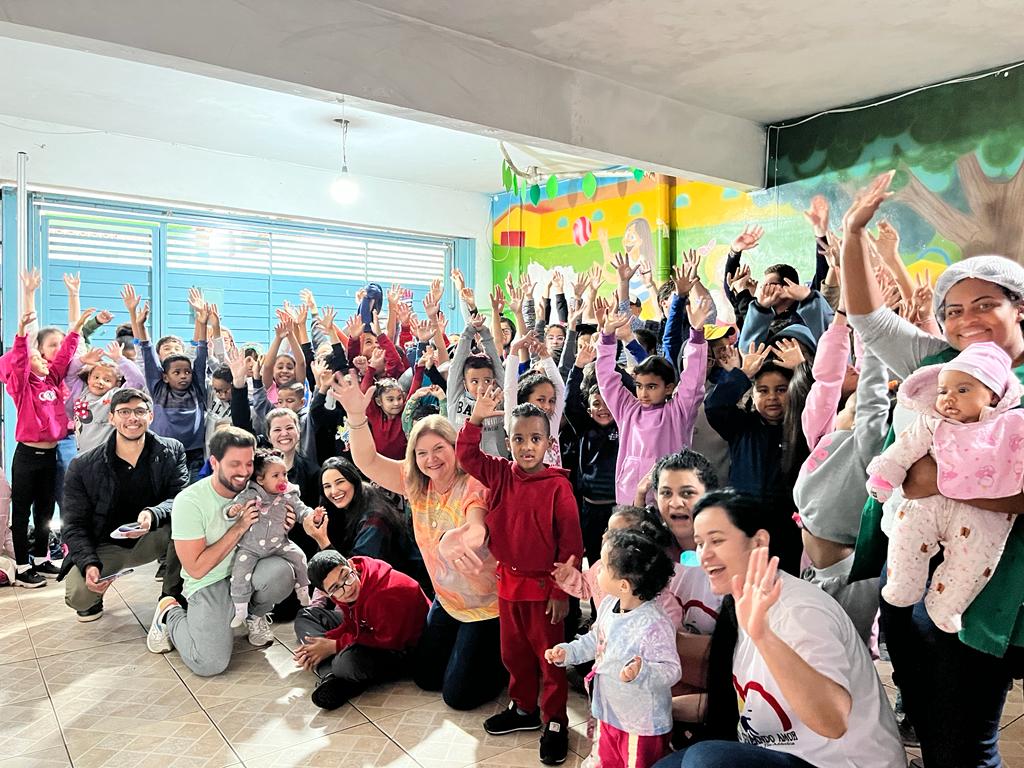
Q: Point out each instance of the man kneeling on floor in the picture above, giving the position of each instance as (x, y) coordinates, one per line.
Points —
(367, 635)
(116, 512)
(205, 540)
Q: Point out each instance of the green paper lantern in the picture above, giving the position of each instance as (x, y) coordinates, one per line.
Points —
(552, 187)
(515, 185)
(535, 193)
(506, 175)
(638, 174)
(590, 185)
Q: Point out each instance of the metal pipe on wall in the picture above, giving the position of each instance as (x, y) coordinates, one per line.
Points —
(21, 233)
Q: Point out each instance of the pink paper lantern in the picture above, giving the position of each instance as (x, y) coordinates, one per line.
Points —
(581, 231)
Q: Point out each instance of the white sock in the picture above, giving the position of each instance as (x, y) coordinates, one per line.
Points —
(303, 594)
(241, 613)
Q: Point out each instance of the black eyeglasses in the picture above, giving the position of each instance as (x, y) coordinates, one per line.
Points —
(346, 581)
(137, 412)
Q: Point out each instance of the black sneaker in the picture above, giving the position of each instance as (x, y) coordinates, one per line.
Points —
(29, 579)
(511, 721)
(331, 692)
(91, 614)
(554, 744)
(48, 569)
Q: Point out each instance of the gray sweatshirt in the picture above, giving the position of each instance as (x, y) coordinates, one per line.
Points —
(460, 403)
(830, 491)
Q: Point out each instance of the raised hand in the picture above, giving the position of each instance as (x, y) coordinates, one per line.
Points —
(31, 279)
(431, 305)
(92, 356)
(299, 312)
(620, 263)
(558, 280)
(403, 312)
(322, 374)
(422, 330)
(195, 300)
(788, 353)
(646, 271)
(143, 315)
(469, 297)
(394, 295)
(601, 309)
(282, 329)
(308, 299)
(740, 280)
(73, 282)
(585, 354)
(579, 285)
(747, 239)
(526, 283)
(24, 321)
(327, 316)
(754, 359)
(888, 241)
(796, 291)
(515, 300)
(349, 396)
(833, 248)
(866, 202)
(375, 322)
(354, 327)
(817, 215)
(526, 341)
(921, 298)
(497, 297)
(699, 310)
(104, 316)
(614, 320)
(130, 298)
(755, 594)
(458, 279)
(428, 358)
(684, 277)
(114, 352)
(86, 314)
(596, 276)
(478, 322)
(488, 403)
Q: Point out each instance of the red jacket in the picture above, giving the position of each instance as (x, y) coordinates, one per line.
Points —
(533, 521)
(39, 403)
(395, 361)
(389, 613)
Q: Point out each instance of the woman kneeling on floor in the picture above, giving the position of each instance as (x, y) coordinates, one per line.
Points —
(367, 635)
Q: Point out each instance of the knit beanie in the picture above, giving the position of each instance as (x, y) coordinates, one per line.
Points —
(321, 564)
(994, 269)
(987, 362)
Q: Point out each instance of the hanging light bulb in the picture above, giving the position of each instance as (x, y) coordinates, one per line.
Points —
(344, 189)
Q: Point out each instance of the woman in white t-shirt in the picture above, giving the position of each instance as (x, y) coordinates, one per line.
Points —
(790, 684)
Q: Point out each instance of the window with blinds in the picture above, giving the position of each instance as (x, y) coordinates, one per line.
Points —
(250, 265)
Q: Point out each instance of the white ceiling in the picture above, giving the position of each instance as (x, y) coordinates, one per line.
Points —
(756, 60)
(75, 88)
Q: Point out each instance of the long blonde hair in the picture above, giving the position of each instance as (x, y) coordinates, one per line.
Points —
(416, 483)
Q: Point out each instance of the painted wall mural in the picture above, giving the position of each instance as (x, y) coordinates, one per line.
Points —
(958, 151)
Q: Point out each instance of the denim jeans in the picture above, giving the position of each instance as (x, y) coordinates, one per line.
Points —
(730, 754)
(462, 659)
(952, 693)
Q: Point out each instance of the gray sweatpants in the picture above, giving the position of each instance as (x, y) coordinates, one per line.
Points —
(203, 634)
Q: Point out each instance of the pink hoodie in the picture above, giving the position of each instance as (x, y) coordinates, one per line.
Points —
(648, 433)
(39, 401)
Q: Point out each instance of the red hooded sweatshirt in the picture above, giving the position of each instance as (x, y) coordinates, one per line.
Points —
(533, 521)
(390, 611)
(39, 402)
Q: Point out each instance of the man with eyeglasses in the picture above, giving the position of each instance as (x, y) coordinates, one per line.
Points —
(117, 505)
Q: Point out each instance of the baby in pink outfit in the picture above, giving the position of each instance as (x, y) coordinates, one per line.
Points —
(968, 424)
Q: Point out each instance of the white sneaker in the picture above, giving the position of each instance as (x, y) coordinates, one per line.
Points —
(259, 631)
(159, 638)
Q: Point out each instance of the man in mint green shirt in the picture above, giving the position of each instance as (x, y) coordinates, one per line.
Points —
(205, 542)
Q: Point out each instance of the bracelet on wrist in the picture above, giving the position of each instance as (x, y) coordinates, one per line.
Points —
(360, 425)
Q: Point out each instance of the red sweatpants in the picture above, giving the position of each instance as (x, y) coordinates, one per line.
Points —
(526, 632)
(620, 749)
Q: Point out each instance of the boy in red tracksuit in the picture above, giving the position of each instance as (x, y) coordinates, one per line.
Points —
(365, 635)
(532, 523)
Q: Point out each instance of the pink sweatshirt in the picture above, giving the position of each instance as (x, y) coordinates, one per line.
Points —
(39, 402)
(648, 433)
(688, 601)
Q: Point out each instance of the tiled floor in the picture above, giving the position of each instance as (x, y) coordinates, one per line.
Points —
(91, 695)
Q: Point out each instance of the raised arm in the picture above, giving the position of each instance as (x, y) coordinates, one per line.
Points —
(387, 473)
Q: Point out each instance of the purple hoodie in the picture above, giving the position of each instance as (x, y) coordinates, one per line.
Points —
(648, 433)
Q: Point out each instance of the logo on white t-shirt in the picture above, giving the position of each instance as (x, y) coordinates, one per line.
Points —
(753, 700)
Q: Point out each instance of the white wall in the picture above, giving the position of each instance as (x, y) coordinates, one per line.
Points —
(96, 162)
